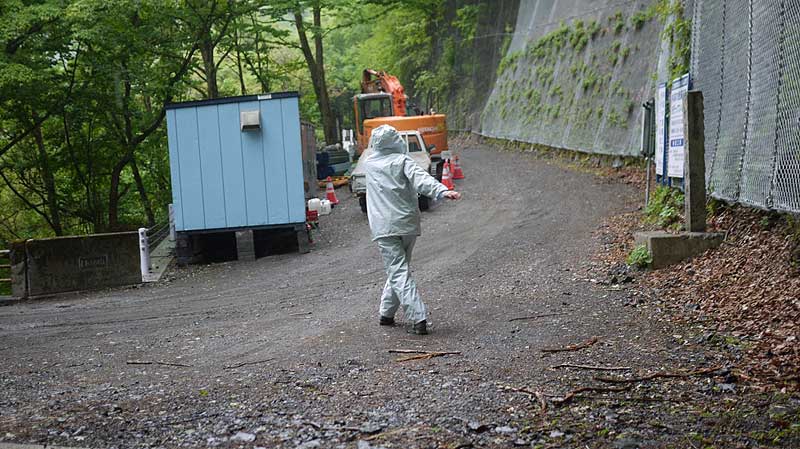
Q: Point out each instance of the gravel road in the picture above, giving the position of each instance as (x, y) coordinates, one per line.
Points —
(286, 351)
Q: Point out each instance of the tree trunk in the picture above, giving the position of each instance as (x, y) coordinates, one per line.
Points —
(148, 208)
(316, 66)
(114, 195)
(328, 117)
(239, 64)
(48, 179)
(209, 67)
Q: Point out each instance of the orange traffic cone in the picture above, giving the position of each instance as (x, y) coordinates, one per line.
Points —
(446, 179)
(457, 172)
(330, 193)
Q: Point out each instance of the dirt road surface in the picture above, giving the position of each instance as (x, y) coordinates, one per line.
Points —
(286, 351)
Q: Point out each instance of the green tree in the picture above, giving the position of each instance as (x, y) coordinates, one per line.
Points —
(36, 82)
(142, 57)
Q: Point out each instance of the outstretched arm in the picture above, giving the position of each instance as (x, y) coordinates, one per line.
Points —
(424, 183)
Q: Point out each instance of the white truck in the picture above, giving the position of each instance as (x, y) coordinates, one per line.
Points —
(416, 149)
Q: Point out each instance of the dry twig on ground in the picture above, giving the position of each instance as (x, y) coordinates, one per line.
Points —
(570, 348)
(615, 380)
(533, 317)
(537, 394)
(390, 432)
(239, 365)
(589, 367)
(423, 355)
(155, 362)
(571, 395)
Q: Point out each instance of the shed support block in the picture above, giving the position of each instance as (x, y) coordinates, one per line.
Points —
(245, 246)
(303, 241)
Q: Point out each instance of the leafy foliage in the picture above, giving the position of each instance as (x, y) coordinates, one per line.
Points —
(678, 33)
(664, 208)
(639, 257)
(83, 84)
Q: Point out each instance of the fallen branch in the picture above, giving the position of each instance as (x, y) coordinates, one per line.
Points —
(246, 364)
(155, 362)
(576, 347)
(408, 351)
(518, 389)
(619, 380)
(193, 418)
(533, 317)
(542, 403)
(422, 355)
(571, 395)
(589, 367)
(390, 432)
(334, 428)
(538, 394)
(426, 356)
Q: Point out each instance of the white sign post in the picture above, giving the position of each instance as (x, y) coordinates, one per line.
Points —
(144, 255)
(677, 140)
(661, 112)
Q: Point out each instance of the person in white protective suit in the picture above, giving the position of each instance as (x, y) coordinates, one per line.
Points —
(393, 182)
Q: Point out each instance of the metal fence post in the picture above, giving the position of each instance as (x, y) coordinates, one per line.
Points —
(781, 55)
(144, 255)
(648, 142)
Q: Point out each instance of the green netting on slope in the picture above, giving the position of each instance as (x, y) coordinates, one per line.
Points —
(575, 75)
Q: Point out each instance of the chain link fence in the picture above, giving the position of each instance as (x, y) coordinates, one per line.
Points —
(746, 60)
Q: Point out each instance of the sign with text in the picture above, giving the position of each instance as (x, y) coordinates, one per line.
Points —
(661, 112)
(677, 140)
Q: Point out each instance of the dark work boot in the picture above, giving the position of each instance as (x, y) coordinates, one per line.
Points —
(420, 328)
(386, 321)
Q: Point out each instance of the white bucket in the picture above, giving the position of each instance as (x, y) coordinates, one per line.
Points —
(325, 207)
(314, 204)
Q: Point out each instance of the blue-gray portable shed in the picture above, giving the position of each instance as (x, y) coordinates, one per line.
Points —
(236, 163)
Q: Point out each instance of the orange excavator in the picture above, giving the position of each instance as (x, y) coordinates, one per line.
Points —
(383, 102)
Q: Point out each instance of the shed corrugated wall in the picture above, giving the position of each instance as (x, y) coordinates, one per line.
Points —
(223, 177)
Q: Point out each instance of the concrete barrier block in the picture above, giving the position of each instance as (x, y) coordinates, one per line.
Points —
(82, 263)
(668, 249)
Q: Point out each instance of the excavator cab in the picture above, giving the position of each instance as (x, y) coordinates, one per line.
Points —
(372, 106)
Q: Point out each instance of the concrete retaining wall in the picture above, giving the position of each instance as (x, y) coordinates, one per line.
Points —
(62, 264)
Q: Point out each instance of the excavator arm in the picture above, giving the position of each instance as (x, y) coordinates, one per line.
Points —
(374, 81)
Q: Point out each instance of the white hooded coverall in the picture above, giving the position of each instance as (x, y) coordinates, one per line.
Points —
(393, 182)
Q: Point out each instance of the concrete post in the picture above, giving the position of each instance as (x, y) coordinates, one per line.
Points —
(144, 255)
(694, 157)
(245, 245)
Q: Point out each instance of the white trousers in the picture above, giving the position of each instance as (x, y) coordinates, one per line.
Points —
(400, 288)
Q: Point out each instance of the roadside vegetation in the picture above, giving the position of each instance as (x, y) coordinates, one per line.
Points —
(665, 208)
(83, 84)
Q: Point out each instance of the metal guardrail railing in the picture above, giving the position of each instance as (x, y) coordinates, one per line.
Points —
(149, 239)
(5, 266)
(156, 234)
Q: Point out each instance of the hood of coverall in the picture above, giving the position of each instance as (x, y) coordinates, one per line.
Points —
(386, 140)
